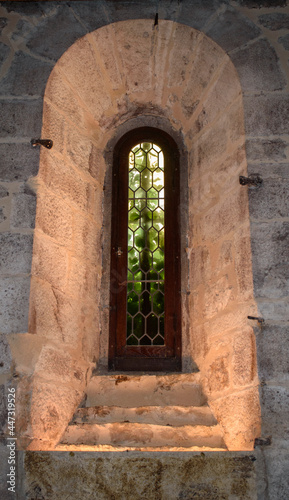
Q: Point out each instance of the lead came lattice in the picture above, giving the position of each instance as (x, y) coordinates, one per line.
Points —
(146, 216)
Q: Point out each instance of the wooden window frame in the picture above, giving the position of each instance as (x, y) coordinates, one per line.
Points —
(145, 358)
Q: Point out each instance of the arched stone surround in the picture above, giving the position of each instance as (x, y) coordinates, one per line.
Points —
(170, 74)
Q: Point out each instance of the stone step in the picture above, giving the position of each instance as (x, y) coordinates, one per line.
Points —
(129, 391)
(143, 435)
(161, 415)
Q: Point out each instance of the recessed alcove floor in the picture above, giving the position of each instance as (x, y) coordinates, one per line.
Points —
(155, 412)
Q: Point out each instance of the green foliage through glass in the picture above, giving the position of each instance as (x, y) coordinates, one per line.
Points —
(146, 219)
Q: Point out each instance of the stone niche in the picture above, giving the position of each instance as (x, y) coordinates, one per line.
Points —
(176, 78)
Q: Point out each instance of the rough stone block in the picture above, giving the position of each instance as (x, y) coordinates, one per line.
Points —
(23, 208)
(3, 23)
(16, 253)
(18, 161)
(224, 217)
(284, 40)
(52, 407)
(54, 217)
(185, 42)
(54, 128)
(218, 375)
(30, 9)
(36, 74)
(275, 411)
(201, 9)
(58, 92)
(50, 262)
(275, 20)
(266, 115)
(4, 52)
(277, 466)
(55, 364)
(3, 216)
(271, 201)
(21, 118)
(266, 150)
(270, 255)
(258, 67)
(204, 156)
(224, 92)
(208, 57)
(74, 190)
(273, 352)
(133, 62)
(5, 355)
(218, 296)
(55, 315)
(48, 41)
(84, 279)
(239, 415)
(243, 263)
(274, 310)
(14, 295)
(3, 409)
(135, 475)
(3, 192)
(87, 238)
(232, 30)
(106, 48)
(244, 358)
(92, 18)
(85, 76)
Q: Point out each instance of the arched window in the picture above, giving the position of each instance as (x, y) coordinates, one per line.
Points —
(145, 318)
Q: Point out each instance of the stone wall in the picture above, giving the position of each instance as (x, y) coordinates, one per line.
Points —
(256, 41)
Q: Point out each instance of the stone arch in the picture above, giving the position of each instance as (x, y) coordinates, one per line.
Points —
(121, 72)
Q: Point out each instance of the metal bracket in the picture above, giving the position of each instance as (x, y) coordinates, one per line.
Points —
(261, 321)
(263, 441)
(47, 143)
(254, 180)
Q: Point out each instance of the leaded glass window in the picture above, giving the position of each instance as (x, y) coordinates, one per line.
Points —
(145, 300)
(146, 245)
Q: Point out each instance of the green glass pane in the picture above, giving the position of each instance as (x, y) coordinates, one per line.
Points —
(132, 340)
(146, 179)
(132, 303)
(129, 239)
(146, 146)
(158, 340)
(140, 193)
(128, 325)
(133, 260)
(158, 179)
(152, 193)
(137, 285)
(162, 239)
(146, 218)
(158, 260)
(158, 219)
(158, 303)
(133, 219)
(152, 204)
(162, 325)
(145, 340)
(138, 323)
(146, 303)
(152, 237)
(152, 325)
(134, 179)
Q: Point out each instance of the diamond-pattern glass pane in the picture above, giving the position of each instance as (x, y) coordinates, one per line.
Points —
(146, 219)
